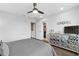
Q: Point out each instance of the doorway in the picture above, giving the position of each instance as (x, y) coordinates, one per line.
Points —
(44, 30)
(33, 30)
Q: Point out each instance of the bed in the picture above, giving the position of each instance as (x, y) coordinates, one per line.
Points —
(30, 47)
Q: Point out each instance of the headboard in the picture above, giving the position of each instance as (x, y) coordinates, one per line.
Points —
(71, 29)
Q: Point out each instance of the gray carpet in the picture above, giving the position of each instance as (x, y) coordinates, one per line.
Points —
(29, 47)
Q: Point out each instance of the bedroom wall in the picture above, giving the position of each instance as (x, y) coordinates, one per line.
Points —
(39, 30)
(14, 27)
(70, 15)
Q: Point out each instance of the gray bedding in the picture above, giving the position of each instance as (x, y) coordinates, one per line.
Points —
(30, 47)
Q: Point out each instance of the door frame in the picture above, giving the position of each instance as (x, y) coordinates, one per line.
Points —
(33, 29)
(44, 34)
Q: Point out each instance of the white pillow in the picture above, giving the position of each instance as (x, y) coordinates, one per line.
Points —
(4, 50)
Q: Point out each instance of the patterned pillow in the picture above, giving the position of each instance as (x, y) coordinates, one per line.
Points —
(73, 39)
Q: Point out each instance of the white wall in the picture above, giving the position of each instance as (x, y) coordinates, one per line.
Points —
(39, 30)
(71, 15)
(14, 27)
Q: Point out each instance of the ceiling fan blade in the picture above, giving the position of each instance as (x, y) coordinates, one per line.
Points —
(29, 11)
(41, 12)
(34, 8)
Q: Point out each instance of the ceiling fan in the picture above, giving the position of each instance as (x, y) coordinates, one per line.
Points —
(35, 10)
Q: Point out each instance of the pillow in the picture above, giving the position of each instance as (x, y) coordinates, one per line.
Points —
(4, 50)
(1, 50)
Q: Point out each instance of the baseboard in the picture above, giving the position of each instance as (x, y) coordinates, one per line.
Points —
(16, 40)
(33, 38)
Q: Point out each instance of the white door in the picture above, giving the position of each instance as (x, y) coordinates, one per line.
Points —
(33, 30)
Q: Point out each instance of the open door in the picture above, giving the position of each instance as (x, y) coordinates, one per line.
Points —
(33, 30)
(44, 30)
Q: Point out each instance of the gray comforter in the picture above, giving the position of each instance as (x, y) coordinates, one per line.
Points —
(30, 47)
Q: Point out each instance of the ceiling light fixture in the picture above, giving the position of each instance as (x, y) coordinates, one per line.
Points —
(61, 8)
(35, 11)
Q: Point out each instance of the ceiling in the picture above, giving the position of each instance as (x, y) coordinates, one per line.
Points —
(47, 8)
